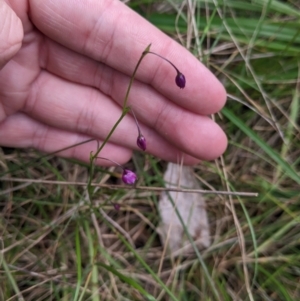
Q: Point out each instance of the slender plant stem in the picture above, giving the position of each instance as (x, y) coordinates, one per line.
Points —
(111, 161)
(145, 52)
(165, 60)
(137, 123)
(115, 187)
(124, 112)
(93, 157)
(125, 108)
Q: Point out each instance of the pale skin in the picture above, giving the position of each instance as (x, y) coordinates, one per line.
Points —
(64, 70)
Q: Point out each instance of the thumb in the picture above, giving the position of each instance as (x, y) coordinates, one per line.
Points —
(11, 33)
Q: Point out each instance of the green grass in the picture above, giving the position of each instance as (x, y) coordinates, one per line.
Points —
(56, 245)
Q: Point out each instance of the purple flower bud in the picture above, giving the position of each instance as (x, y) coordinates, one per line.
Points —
(117, 206)
(141, 142)
(180, 80)
(129, 177)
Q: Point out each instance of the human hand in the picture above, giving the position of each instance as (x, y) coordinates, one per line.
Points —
(66, 83)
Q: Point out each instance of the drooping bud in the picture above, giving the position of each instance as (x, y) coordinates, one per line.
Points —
(180, 80)
(129, 177)
(141, 142)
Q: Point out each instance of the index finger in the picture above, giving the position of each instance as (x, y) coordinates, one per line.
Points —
(110, 32)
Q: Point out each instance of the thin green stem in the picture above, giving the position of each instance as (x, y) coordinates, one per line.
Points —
(93, 157)
(124, 112)
(125, 108)
(145, 52)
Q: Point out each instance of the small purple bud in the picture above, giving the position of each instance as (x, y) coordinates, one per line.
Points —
(141, 142)
(180, 80)
(129, 177)
(117, 206)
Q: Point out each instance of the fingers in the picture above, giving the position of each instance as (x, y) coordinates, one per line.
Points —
(78, 68)
(154, 110)
(19, 130)
(173, 123)
(169, 116)
(83, 109)
(108, 31)
(11, 33)
(22, 131)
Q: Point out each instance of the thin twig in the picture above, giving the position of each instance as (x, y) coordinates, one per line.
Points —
(145, 188)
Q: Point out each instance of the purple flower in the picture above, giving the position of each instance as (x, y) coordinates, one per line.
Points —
(180, 80)
(129, 177)
(117, 206)
(141, 142)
